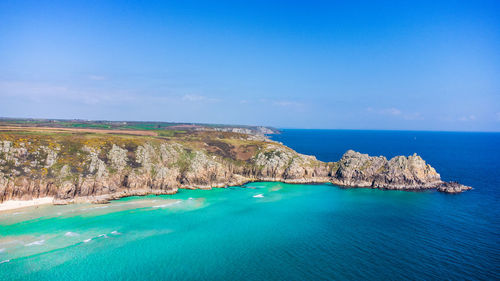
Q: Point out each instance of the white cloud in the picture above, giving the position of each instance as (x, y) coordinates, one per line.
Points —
(467, 118)
(40, 92)
(193, 98)
(413, 116)
(395, 112)
(198, 98)
(385, 111)
(286, 103)
(391, 111)
(97, 77)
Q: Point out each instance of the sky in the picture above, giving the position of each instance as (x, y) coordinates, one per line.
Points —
(396, 65)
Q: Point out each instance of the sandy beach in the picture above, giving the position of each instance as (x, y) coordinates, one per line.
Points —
(16, 204)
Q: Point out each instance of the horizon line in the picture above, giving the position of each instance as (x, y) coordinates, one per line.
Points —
(247, 125)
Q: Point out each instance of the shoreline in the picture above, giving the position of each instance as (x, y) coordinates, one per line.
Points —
(17, 204)
(106, 198)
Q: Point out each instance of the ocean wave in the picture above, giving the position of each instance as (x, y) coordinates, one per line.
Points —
(4, 261)
(101, 235)
(258, 196)
(71, 234)
(39, 242)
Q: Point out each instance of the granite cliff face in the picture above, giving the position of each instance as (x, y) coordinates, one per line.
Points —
(356, 169)
(81, 168)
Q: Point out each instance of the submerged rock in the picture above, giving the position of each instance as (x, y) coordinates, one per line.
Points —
(452, 187)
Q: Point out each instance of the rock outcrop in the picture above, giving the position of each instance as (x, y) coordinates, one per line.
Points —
(356, 169)
(452, 187)
(404, 173)
(100, 168)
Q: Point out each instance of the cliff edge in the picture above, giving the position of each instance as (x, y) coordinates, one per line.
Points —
(92, 167)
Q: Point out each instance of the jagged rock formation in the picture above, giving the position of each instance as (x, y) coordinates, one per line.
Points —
(405, 173)
(97, 168)
(356, 169)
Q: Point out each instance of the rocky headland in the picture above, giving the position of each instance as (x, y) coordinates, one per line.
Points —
(76, 167)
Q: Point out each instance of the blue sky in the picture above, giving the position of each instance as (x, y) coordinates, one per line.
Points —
(412, 65)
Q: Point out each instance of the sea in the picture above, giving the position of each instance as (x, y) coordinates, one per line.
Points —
(277, 231)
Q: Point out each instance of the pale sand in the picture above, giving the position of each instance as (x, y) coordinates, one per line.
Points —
(15, 204)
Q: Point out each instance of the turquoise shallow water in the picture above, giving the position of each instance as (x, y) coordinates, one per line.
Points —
(268, 231)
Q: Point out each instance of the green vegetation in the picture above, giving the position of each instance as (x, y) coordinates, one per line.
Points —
(117, 125)
(86, 125)
(169, 133)
(145, 126)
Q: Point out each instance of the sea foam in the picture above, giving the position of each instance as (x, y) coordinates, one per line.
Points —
(168, 204)
(39, 242)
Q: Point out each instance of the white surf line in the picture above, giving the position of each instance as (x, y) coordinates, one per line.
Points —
(168, 204)
(4, 261)
(258, 196)
(39, 242)
(101, 235)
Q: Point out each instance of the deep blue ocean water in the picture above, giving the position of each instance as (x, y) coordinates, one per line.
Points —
(275, 231)
(468, 224)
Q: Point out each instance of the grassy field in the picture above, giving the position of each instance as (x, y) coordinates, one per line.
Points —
(118, 125)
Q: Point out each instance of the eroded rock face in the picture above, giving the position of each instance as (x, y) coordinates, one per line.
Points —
(282, 163)
(400, 172)
(356, 169)
(101, 170)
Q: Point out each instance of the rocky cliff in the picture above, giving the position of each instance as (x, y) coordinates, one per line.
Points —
(400, 172)
(97, 168)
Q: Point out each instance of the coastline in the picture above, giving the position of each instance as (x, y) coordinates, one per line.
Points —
(106, 198)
